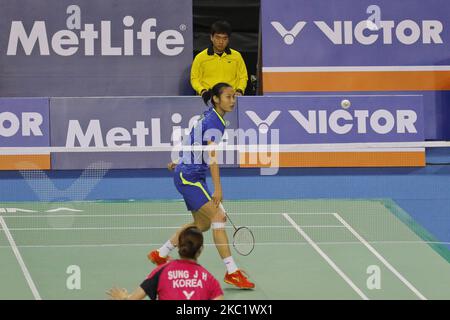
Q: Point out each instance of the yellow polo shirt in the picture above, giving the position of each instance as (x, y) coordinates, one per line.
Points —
(208, 68)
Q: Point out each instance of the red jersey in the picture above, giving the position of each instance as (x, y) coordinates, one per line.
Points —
(181, 280)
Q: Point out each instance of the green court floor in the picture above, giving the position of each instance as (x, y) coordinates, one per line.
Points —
(305, 249)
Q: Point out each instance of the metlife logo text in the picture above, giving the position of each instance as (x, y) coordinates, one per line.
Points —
(94, 38)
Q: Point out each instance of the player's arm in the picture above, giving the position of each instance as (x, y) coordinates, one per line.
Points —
(122, 294)
(171, 165)
(219, 298)
(137, 294)
(215, 175)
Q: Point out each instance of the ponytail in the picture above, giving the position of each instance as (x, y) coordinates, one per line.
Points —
(190, 243)
(206, 96)
(187, 249)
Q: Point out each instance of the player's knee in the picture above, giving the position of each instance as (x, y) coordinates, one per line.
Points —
(203, 226)
(219, 221)
(221, 216)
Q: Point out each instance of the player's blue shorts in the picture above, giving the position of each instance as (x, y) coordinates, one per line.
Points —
(194, 191)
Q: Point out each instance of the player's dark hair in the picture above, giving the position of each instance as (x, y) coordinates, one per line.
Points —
(221, 26)
(215, 91)
(190, 242)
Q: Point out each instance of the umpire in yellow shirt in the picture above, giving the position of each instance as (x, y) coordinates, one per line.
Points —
(219, 63)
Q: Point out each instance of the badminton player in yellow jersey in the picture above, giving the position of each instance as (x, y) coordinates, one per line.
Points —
(190, 181)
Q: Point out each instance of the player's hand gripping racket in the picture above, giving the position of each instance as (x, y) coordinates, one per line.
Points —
(243, 239)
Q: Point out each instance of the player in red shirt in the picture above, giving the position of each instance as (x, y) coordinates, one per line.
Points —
(182, 279)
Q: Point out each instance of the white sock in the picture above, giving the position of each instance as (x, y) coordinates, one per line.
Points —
(165, 249)
(230, 264)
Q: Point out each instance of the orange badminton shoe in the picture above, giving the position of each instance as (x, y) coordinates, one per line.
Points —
(239, 280)
(155, 258)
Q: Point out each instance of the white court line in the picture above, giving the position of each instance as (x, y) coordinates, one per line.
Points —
(25, 271)
(167, 215)
(263, 244)
(380, 257)
(303, 147)
(327, 259)
(157, 228)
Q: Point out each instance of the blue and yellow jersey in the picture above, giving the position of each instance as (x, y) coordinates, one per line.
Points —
(209, 127)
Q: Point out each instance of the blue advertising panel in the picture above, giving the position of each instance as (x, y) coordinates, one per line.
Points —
(297, 121)
(304, 33)
(24, 122)
(365, 47)
(122, 122)
(335, 119)
(62, 48)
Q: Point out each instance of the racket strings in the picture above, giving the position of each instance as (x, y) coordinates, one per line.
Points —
(243, 240)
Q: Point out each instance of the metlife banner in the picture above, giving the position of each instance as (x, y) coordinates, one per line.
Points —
(122, 122)
(62, 48)
(130, 123)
